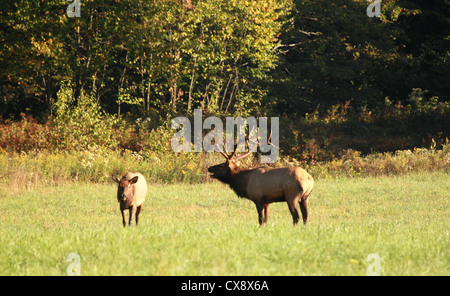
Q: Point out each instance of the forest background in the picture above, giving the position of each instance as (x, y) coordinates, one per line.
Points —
(84, 97)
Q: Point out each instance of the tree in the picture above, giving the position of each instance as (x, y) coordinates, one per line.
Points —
(332, 53)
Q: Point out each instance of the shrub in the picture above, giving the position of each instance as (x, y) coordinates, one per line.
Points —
(80, 122)
(352, 164)
(25, 135)
(391, 127)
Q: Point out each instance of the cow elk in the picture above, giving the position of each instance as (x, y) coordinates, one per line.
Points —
(131, 192)
(265, 185)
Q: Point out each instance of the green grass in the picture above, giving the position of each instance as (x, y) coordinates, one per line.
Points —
(206, 230)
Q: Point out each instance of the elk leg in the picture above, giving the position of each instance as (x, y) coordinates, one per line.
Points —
(304, 209)
(124, 222)
(294, 212)
(265, 213)
(260, 208)
(138, 211)
(132, 213)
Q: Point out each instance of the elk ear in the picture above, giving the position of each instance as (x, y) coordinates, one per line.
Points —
(134, 180)
(116, 179)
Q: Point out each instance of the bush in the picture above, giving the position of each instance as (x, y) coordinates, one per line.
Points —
(25, 135)
(389, 128)
(81, 142)
(98, 165)
(81, 122)
(352, 164)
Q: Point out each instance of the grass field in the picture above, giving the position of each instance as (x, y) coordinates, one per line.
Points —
(206, 230)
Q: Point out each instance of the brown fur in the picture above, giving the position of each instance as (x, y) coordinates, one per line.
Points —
(131, 192)
(265, 185)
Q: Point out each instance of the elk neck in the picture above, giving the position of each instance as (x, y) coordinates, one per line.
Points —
(238, 180)
(128, 202)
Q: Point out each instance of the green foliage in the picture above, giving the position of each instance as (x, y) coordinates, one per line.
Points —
(81, 122)
(160, 54)
(97, 165)
(337, 79)
(81, 142)
(352, 164)
(333, 53)
(243, 57)
(389, 128)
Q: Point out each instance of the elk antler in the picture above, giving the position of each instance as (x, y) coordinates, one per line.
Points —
(225, 154)
(257, 145)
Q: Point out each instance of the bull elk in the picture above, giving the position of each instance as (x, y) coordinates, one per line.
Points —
(131, 192)
(265, 185)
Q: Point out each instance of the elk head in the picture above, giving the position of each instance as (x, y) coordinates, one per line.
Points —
(124, 190)
(223, 171)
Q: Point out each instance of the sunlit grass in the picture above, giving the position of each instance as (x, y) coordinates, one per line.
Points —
(206, 230)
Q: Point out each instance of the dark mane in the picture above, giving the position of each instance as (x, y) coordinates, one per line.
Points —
(238, 182)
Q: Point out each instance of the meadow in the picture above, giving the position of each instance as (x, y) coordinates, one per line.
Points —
(204, 229)
(363, 105)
